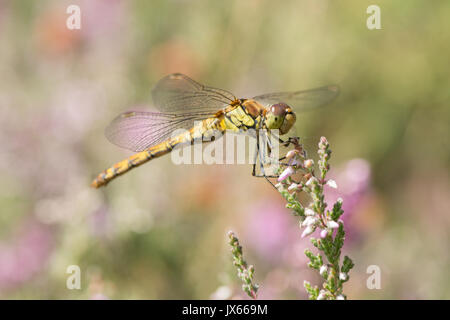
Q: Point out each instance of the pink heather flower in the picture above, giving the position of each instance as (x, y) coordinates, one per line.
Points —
(343, 276)
(308, 230)
(323, 142)
(291, 154)
(308, 163)
(331, 183)
(321, 295)
(332, 224)
(309, 221)
(293, 186)
(323, 234)
(310, 181)
(286, 173)
(323, 270)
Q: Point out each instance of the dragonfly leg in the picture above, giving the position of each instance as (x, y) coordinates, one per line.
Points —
(254, 159)
(271, 183)
(284, 164)
(265, 176)
(262, 166)
(259, 155)
(256, 155)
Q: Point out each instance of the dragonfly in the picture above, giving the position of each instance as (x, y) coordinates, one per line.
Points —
(183, 103)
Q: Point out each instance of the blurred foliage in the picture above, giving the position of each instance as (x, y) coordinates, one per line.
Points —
(160, 231)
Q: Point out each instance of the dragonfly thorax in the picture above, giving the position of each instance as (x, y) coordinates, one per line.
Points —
(280, 116)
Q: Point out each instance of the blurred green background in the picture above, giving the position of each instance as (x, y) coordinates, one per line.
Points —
(159, 232)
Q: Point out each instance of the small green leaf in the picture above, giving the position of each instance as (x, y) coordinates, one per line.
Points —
(347, 264)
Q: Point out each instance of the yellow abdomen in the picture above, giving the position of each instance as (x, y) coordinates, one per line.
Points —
(199, 131)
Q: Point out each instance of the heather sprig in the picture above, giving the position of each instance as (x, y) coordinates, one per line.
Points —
(245, 272)
(316, 216)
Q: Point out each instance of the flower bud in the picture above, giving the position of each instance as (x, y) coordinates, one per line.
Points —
(294, 187)
(331, 183)
(309, 221)
(286, 173)
(343, 276)
(321, 295)
(323, 143)
(308, 163)
(291, 154)
(332, 224)
(308, 230)
(311, 181)
(323, 270)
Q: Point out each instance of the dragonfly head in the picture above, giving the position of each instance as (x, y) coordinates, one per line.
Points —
(280, 116)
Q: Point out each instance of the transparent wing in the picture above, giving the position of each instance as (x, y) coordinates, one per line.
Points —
(179, 93)
(139, 130)
(301, 100)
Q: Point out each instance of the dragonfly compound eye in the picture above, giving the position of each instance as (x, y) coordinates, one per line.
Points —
(279, 109)
(276, 115)
(289, 121)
